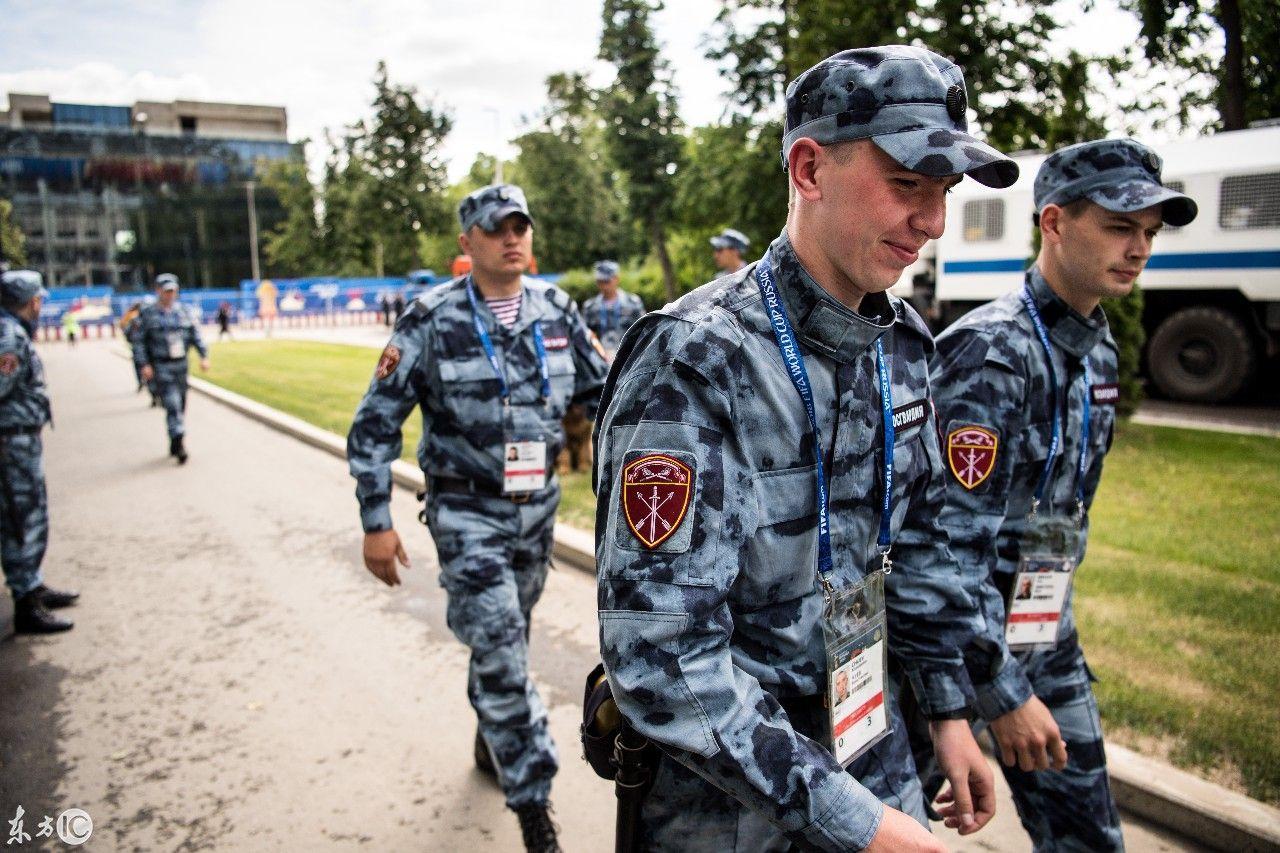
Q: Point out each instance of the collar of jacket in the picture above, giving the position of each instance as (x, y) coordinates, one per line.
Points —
(530, 309)
(1076, 334)
(820, 321)
(29, 326)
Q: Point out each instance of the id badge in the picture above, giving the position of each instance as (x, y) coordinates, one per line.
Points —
(177, 346)
(856, 639)
(1042, 584)
(525, 466)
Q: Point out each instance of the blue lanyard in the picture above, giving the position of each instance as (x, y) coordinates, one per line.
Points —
(789, 347)
(1056, 442)
(487, 343)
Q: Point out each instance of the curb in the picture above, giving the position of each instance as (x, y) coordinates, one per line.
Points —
(1165, 795)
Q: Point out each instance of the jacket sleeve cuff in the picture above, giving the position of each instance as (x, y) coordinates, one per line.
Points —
(1007, 692)
(376, 517)
(851, 820)
(943, 693)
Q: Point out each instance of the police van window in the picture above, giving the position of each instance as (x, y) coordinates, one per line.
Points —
(1178, 187)
(1250, 201)
(983, 219)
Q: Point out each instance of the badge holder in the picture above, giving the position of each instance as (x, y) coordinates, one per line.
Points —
(524, 466)
(1042, 583)
(855, 637)
(177, 346)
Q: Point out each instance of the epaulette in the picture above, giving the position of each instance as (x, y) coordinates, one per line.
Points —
(557, 295)
(909, 317)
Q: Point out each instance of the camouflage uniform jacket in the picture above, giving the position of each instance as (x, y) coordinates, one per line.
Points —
(152, 330)
(24, 398)
(435, 359)
(990, 371)
(610, 324)
(705, 632)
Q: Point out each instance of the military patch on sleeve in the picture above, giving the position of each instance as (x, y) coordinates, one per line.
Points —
(971, 454)
(910, 415)
(1107, 394)
(388, 363)
(9, 364)
(655, 497)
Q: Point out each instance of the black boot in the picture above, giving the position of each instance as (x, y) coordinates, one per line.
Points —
(177, 450)
(54, 598)
(484, 759)
(536, 827)
(30, 616)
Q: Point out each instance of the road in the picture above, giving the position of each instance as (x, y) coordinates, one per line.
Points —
(237, 681)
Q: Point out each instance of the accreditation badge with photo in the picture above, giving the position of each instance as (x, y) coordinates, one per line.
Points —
(856, 640)
(1042, 584)
(524, 466)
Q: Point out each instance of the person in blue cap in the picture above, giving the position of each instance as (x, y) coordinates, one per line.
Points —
(493, 360)
(769, 480)
(728, 247)
(612, 310)
(166, 330)
(1025, 389)
(24, 410)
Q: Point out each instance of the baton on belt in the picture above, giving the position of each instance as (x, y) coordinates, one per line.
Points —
(634, 756)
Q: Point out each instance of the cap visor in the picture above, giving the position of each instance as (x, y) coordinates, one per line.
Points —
(1176, 209)
(940, 152)
(505, 211)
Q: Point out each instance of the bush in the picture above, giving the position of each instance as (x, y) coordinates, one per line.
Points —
(1125, 318)
(642, 279)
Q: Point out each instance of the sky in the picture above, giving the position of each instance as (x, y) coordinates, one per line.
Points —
(486, 62)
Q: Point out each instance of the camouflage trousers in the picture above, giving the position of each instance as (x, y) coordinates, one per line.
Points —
(24, 511)
(493, 565)
(1072, 809)
(685, 812)
(170, 386)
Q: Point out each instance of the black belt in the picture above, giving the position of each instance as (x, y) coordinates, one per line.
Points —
(168, 360)
(26, 430)
(458, 486)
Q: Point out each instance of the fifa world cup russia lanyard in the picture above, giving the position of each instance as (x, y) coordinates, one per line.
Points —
(1055, 444)
(487, 343)
(789, 346)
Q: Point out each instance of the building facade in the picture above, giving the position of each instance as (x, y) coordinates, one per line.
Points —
(114, 194)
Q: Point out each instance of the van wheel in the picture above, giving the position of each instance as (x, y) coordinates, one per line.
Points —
(1201, 355)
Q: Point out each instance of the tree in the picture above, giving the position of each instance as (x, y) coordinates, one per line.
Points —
(294, 247)
(12, 239)
(1243, 77)
(1002, 47)
(644, 138)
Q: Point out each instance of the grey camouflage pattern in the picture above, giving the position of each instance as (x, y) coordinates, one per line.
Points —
(1121, 175)
(990, 370)
(488, 206)
(707, 636)
(24, 405)
(611, 324)
(17, 287)
(493, 552)
(150, 340)
(493, 564)
(910, 101)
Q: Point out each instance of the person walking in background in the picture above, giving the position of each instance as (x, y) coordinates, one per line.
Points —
(224, 321)
(167, 329)
(728, 247)
(612, 310)
(71, 324)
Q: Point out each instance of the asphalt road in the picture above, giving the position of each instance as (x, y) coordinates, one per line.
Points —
(237, 681)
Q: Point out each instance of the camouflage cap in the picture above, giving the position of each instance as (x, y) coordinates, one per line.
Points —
(167, 281)
(606, 270)
(730, 239)
(910, 101)
(488, 206)
(18, 287)
(1120, 175)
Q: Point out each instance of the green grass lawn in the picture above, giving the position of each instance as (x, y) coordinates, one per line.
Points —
(1178, 601)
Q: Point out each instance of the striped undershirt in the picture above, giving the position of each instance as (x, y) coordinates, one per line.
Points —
(505, 310)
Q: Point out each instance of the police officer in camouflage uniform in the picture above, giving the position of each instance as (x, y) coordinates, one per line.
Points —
(709, 531)
(611, 311)
(491, 395)
(728, 248)
(166, 330)
(1005, 396)
(24, 410)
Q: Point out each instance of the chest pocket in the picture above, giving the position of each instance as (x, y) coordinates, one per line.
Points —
(780, 562)
(467, 387)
